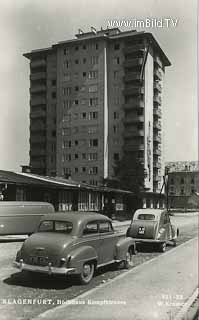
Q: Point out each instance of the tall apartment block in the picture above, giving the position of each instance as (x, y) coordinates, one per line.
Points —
(94, 98)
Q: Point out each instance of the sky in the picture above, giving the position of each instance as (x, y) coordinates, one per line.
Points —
(26, 25)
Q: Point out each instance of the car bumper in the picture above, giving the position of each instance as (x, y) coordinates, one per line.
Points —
(148, 240)
(43, 269)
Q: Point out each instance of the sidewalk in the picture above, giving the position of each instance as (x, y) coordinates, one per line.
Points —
(154, 290)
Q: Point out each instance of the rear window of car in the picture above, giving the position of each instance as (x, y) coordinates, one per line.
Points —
(55, 226)
(144, 216)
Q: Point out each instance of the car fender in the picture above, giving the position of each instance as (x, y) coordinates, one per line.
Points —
(175, 231)
(79, 256)
(122, 247)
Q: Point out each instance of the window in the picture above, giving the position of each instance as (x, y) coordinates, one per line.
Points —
(76, 142)
(93, 115)
(116, 156)
(84, 74)
(83, 156)
(76, 61)
(76, 102)
(92, 88)
(115, 74)
(66, 64)
(76, 88)
(93, 170)
(53, 82)
(182, 181)
(91, 228)
(54, 94)
(93, 102)
(94, 60)
(182, 191)
(66, 157)
(83, 101)
(144, 216)
(92, 156)
(66, 131)
(76, 170)
(56, 226)
(66, 77)
(192, 181)
(54, 133)
(93, 143)
(172, 181)
(116, 46)
(84, 46)
(92, 129)
(66, 51)
(83, 115)
(67, 91)
(116, 115)
(96, 46)
(115, 129)
(83, 169)
(76, 48)
(105, 226)
(76, 156)
(93, 74)
(84, 60)
(116, 60)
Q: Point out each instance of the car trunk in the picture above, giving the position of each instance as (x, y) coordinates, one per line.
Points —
(143, 229)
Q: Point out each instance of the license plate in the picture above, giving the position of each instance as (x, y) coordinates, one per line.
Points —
(141, 230)
(41, 261)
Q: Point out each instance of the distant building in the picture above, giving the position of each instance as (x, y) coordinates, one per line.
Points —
(94, 98)
(183, 183)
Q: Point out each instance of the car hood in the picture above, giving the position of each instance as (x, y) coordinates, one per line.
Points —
(47, 244)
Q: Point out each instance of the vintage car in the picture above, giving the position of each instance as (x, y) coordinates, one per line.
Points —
(153, 226)
(74, 243)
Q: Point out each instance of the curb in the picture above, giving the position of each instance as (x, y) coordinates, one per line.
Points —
(183, 311)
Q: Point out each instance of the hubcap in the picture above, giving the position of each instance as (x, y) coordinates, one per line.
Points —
(86, 270)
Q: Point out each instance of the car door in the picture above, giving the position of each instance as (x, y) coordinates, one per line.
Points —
(91, 237)
(166, 225)
(109, 240)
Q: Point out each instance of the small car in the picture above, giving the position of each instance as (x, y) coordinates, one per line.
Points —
(153, 226)
(74, 243)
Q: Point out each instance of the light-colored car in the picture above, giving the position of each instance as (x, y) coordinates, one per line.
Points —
(74, 243)
(153, 226)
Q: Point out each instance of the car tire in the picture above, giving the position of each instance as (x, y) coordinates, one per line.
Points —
(128, 262)
(162, 247)
(87, 273)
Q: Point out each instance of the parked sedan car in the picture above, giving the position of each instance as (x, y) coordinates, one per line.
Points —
(153, 226)
(74, 243)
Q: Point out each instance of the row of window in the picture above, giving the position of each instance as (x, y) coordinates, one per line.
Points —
(89, 46)
(69, 144)
(92, 60)
(84, 156)
(92, 102)
(182, 181)
(92, 170)
(182, 192)
(66, 91)
(90, 75)
(68, 131)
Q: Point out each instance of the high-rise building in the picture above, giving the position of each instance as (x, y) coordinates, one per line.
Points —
(94, 98)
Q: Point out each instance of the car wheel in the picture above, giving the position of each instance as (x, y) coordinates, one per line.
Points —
(87, 273)
(174, 242)
(162, 247)
(128, 262)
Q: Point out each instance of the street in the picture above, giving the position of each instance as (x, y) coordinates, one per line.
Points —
(25, 297)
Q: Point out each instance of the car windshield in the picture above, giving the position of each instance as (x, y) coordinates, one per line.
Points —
(55, 226)
(145, 216)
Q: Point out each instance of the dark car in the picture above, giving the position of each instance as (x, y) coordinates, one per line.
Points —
(153, 226)
(74, 243)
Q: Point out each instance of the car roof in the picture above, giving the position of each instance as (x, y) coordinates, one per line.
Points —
(156, 212)
(75, 216)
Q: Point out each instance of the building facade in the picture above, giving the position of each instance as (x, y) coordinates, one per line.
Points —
(94, 98)
(183, 183)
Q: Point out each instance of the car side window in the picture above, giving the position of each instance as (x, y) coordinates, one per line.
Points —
(166, 218)
(91, 228)
(105, 226)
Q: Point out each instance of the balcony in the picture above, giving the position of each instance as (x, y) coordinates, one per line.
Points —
(133, 62)
(157, 86)
(158, 61)
(157, 125)
(157, 74)
(131, 76)
(134, 104)
(133, 119)
(37, 152)
(134, 48)
(133, 134)
(37, 139)
(37, 89)
(157, 112)
(133, 91)
(37, 127)
(133, 147)
(156, 164)
(38, 76)
(38, 63)
(157, 138)
(35, 101)
(38, 114)
(156, 178)
(156, 151)
(157, 99)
